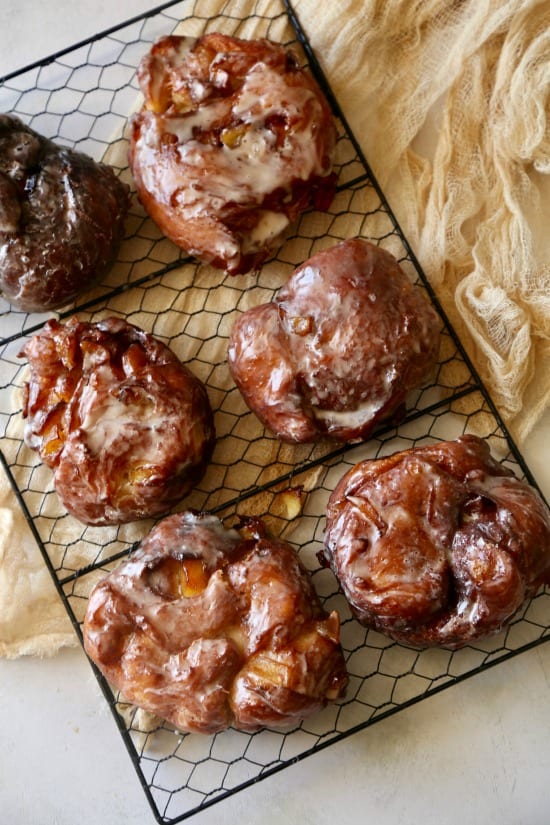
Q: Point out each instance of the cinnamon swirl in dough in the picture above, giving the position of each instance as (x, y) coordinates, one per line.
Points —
(61, 219)
(125, 426)
(339, 347)
(234, 141)
(437, 545)
(210, 627)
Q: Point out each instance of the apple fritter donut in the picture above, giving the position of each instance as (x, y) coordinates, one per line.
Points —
(61, 219)
(209, 627)
(234, 141)
(126, 427)
(437, 545)
(338, 349)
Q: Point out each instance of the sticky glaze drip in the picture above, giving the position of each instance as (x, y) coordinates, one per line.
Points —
(251, 648)
(437, 545)
(338, 349)
(234, 142)
(250, 169)
(126, 427)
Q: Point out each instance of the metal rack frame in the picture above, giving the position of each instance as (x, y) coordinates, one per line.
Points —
(82, 96)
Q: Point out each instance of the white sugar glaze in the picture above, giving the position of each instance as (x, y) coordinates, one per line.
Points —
(195, 657)
(339, 347)
(125, 426)
(437, 545)
(105, 419)
(253, 166)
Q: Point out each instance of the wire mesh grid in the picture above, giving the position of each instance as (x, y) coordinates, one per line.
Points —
(83, 97)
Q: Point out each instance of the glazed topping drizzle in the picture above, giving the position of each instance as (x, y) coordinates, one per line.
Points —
(207, 627)
(234, 141)
(438, 544)
(125, 426)
(338, 348)
(247, 167)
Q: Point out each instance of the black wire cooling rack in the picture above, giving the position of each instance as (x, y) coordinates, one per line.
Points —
(82, 97)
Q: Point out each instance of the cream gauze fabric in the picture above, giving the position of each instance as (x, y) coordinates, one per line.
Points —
(33, 620)
(450, 102)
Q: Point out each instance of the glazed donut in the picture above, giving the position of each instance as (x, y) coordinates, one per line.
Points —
(338, 348)
(209, 627)
(437, 545)
(234, 141)
(125, 426)
(61, 219)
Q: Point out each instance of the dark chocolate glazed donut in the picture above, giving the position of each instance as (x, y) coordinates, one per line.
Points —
(437, 545)
(210, 627)
(61, 219)
(126, 427)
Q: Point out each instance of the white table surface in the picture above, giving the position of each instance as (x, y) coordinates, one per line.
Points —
(476, 753)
